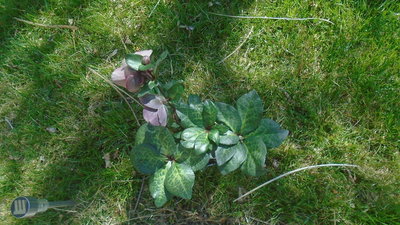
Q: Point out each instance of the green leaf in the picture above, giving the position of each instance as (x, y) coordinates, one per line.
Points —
(146, 67)
(240, 155)
(214, 136)
(134, 61)
(180, 180)
(174, 89)
(250, 108)
(229, 138)
(148, 89)
(223, 154)
(157, 187)
(202, 143)
(209, 113)
(194, 99)
(256, 154)
(182, 110)
(146, 158)
(158, 136)
(221, 128)
(196, 113)
(191, 134)
(196, 162)
(271, 133)
(198, 137)
(229, 115)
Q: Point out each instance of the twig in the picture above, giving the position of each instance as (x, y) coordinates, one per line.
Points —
(8, 122)
(139, 195)
(291, 172)
(46, 25)
(270, 18)
(152, 11)
(238, 47)
(118, 91)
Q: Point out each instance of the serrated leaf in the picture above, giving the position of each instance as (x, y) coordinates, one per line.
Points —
(214, 136)
(134, 61)
(182, 110)
(271, 133)
(174, 89)
(256, 154)
(179, 180)
(146, 158)
(160, 137)
(229, 138)
(209, 113)
(240, 155)
(250, 108)
(157, 187)
(229, 115)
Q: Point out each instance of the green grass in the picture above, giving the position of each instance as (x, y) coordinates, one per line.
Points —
(335, 87)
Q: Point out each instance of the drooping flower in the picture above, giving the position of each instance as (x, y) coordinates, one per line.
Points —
(155, 111)
(129, 78)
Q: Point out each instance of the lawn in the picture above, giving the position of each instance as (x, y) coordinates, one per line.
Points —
(335, 87)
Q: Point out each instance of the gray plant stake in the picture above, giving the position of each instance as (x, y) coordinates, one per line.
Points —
(23, 207)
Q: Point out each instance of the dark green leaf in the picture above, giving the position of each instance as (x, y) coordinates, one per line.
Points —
(196, 162)
(157, 187)
(182, 110)
(180, 180)
(158, 136)
(237, 159)
(214, 136)
(134, 61)
(147, 159)
(229, 115)
(146, 67)
(221, 128)
(256, 154)
(174, 89)
(209, 113)
(250, 108)
(229, 138)
(196, 114)
(271, 133)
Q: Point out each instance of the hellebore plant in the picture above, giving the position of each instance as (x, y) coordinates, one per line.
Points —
(182, 137)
